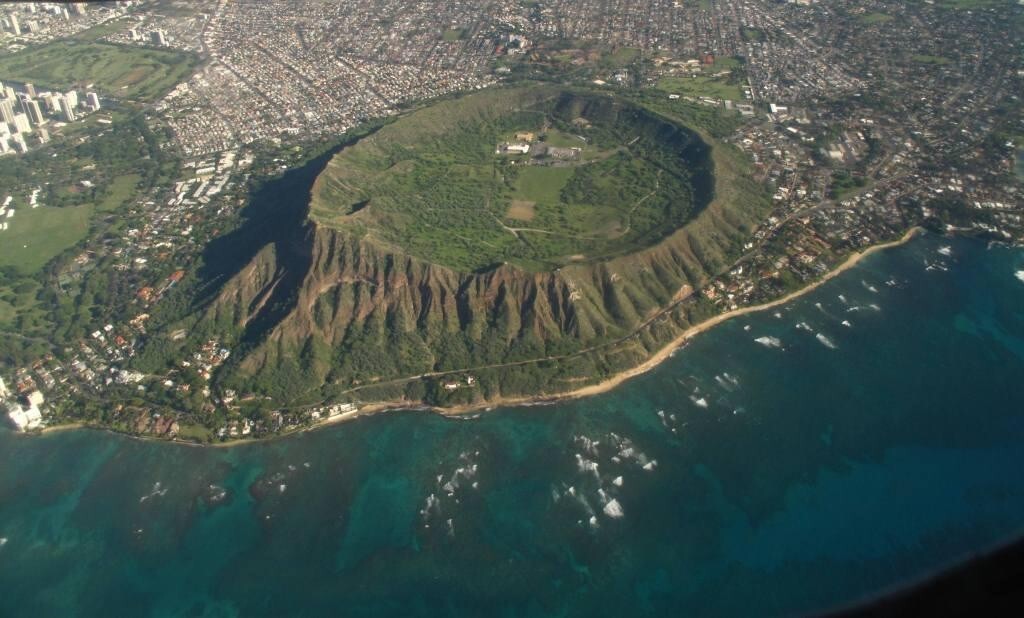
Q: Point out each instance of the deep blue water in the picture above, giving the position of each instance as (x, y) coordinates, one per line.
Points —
(777, 481)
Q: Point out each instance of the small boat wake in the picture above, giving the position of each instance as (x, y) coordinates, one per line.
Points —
(825, 341)
(769, 342)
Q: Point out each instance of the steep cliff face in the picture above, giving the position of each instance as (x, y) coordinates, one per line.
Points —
(327, 307)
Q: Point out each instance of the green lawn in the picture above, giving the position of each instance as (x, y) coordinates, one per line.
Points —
(197, 433)
(36, 235)
(561, 139)
(875, 18)
(541, 184)
(701, 86)
(116, 70)
(454, 34)
(752, 34)
(122, 188)
(622, 56)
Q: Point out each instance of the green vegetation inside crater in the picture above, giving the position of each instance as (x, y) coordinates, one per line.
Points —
(602, 178)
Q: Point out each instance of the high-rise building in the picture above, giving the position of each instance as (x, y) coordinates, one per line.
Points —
(50, 99)
(21, 124)
(9, 93)
(23, 100)
(158, 37)
(67, 109)
(15, 27)
(35, 114)
(78, 8)
(134, 34)
(42, 135)
(30, 89)
(18, 141)
(7, 110)
(93, 100)
(72, 98)
(4, 148)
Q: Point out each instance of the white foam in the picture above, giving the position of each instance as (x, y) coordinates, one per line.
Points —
(700, 402)
(871, 288)
(947, 251)
(588, 445)
(777, 315)
(593, 522)
(846, 323)
(843, 300)
(3, 541)
(747, 327)
(651, 465)
(281, 488)
(585, 465)
(727, 382)
(617, 481)
(825, 341)
(1019, 274)
(613, 509)
(803, 326)
(769, 342)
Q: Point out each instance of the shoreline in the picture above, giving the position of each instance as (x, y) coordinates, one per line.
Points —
(668, 349)
(610, 383)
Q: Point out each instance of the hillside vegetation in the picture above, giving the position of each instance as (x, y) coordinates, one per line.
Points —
(432, 184)
(365, 301)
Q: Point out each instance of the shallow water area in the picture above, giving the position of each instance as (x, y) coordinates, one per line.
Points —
(858, 437)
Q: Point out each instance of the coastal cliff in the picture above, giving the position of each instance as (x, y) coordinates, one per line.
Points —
(330, 312)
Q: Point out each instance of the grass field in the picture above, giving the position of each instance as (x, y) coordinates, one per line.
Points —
(36, 235)
(875, 18)
(752, 34)
(541, 184)
(122, 189)
(116, 70)
(622, 57)
(701, 86)
(454, 34)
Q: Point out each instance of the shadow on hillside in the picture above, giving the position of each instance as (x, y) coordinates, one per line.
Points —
(275, 213)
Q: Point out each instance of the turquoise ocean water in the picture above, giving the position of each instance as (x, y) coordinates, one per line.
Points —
(826, 463)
